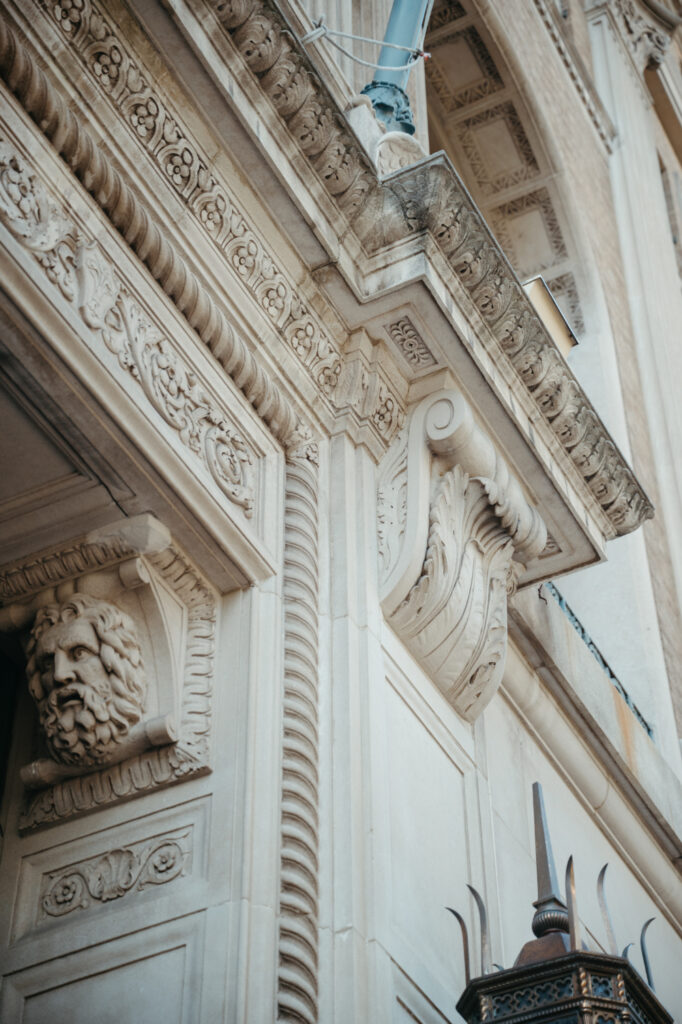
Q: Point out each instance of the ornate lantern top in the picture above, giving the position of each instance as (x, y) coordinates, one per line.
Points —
(556, 978)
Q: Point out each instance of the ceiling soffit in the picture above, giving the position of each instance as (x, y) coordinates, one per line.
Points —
(477, 116)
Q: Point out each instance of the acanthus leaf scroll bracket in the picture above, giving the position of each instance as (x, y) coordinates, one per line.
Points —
(455, 532)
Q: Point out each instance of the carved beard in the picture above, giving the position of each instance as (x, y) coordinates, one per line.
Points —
(79, 726)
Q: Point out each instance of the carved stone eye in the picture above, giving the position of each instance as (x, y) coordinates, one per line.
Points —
(80, 653)
(46, 662)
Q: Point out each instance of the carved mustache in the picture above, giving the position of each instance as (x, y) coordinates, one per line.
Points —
(64, 703)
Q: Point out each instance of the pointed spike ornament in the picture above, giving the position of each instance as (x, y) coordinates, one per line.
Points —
(645, 954)
(550, 913)
(606, 916)
(624, 954)
(572, 902)
(465, 944)
(486, 965)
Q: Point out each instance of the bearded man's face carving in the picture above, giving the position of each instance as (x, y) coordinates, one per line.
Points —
(85, 675)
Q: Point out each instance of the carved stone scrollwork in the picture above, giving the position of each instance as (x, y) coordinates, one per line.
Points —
(85, 276)
(114, 874)
(454, 530)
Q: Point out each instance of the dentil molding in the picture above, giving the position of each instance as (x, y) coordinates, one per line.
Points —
(455, 530)
(156, 125)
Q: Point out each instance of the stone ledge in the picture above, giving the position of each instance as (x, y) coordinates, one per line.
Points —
(427, 198)
(600, 715)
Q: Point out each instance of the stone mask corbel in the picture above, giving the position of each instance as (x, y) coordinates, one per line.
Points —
(140, 605)
(455, 530)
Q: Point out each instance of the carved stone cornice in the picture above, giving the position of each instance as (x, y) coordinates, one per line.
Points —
(426, 199)
(429, 197)
(156, 126)
(75, 144)
(455, 531)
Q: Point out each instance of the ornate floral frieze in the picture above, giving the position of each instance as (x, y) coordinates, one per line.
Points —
(113, 875)
(86, 278)
(454, 532)
(135, 553)
(158, 127)
(128, 214)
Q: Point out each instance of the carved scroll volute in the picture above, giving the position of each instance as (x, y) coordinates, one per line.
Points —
(454, 529)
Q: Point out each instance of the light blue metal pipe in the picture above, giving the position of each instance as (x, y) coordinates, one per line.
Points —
(406, 27)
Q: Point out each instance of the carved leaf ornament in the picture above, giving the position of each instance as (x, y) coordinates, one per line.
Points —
(113, 875)
(454, 528)
(454, 619)
(86, 277)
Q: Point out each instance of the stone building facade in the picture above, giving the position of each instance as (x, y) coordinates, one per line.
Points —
(317, 550)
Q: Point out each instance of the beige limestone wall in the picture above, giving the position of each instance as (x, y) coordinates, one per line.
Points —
(606, 361)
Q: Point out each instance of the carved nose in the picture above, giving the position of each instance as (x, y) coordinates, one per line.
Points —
(63, 669)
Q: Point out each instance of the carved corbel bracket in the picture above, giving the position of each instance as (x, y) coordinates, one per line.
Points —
(119, 632)
(455, 529)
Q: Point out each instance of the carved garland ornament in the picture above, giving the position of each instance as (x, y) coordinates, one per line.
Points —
(114, 874)
(454, 528)
(86, 278)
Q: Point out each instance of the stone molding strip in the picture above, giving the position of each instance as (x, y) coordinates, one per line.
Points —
(429, 196)
(298, 901)
(80, 152)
